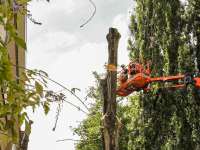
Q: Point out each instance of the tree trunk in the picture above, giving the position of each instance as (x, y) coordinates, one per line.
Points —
(111, 126)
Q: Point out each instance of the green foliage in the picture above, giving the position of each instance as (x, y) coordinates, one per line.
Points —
(39, 88)
(166, 34)
(15, 96)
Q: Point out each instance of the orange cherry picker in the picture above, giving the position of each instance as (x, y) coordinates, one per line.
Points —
(139, 78)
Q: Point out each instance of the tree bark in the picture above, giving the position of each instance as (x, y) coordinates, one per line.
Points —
(111, 126)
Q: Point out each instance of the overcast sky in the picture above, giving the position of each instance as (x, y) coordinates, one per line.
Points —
(69, 54)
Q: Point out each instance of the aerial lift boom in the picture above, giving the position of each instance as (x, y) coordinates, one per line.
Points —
(139, 78)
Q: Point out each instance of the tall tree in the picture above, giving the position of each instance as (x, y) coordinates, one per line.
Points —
(162, 32)
(111, 126)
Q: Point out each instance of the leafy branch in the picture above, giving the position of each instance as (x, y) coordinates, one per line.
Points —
(71, 91)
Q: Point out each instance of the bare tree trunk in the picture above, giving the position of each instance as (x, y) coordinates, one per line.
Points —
(111, 126)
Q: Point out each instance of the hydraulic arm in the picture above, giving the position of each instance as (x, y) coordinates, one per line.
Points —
(138, 78)
(187, 79)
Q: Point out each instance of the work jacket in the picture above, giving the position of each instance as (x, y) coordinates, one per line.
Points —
(124, 72)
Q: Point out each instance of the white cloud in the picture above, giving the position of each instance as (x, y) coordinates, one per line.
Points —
(57, 39)
(53, 40)
(121, 23)
(77, 66)
(43, 8)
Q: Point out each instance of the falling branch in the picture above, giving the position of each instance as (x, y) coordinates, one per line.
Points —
(91, 16)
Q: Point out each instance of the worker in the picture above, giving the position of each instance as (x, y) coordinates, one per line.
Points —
(132, 69)
(124, 74)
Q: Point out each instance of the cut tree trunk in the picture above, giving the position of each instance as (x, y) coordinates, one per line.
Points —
(111, 125)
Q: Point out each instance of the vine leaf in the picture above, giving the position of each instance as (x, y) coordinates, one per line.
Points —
(11, 97)
(4, 115)
(14, 136)
(73, 90)
(25, 77)
(27, 128)
(39, 88)
(21, 120)
(46, 109)
(8, 125)
(19, 41)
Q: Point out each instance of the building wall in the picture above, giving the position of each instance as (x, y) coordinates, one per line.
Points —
(17, 56)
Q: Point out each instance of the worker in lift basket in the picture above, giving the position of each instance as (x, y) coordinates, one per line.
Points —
(132, 69)
(123, 73)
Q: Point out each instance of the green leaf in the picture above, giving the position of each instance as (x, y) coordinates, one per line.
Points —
(31, 95)
(44, 80)
(2, 123)
(18, 20)
(27, 128)
(73, 90)
(18, 110)
(14, 136)
(4, 115)
(4, 51)
(18, 41)
(8, 125)
(25, 3)
(11, 96)
(33, 107)
(15, 118)
(46, 109)
(6, 107)
(49, 100)
(26, 115)
(1, 20)
(25, 77)
(21, 120)
(31, 103)
(38, 100)
(39, 88)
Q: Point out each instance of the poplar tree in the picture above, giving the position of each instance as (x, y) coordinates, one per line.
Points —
(164, 33)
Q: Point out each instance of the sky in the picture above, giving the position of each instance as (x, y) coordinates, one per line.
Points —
(69, 54)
